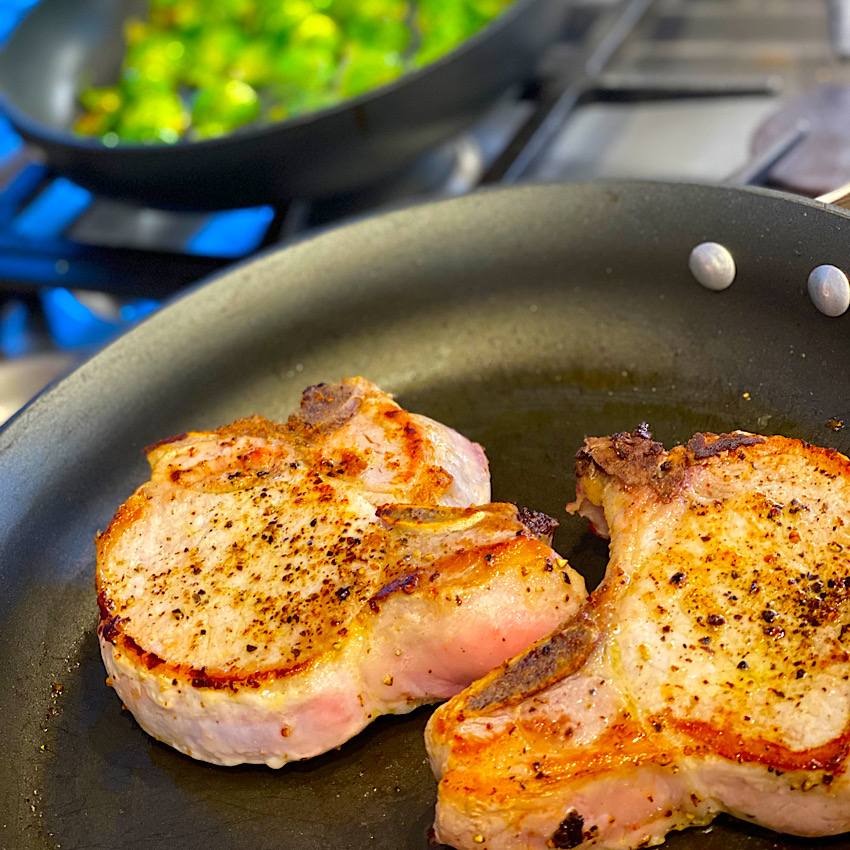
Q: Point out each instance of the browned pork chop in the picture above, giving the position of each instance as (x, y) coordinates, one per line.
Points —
(273, 588)
(708, 673)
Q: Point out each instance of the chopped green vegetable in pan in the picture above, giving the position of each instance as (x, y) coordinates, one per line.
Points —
(199, 69)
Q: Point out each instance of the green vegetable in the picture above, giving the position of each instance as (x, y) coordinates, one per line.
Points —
(203, 68)
(444, 24)
(279, 19)
(221, 108)
(304, 68)
(256, 64)
(212, 53)
(155, 116)
(365, 68)
(318, 31)
(159, 58)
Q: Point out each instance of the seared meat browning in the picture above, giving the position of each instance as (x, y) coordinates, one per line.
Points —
(272, 589)
(709, 672)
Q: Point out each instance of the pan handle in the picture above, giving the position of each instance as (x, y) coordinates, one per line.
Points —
(839, 197)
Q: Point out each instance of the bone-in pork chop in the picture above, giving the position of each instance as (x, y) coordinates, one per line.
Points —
(708, 673)
(273, 588)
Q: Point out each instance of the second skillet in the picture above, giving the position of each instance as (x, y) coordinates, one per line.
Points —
(527, 318)
(63, 46)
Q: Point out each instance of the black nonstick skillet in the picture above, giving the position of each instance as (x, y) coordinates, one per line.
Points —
(64, 46)
(527, 318)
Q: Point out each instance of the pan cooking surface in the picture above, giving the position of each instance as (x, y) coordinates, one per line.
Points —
(525, 318)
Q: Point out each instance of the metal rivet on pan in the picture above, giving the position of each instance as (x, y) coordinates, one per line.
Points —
(829, 290)
(712, 265)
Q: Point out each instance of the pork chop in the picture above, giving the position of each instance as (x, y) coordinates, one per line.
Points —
(708, 673)
(274, 587)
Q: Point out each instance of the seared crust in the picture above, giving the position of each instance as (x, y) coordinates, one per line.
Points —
(634, 459)
(271, 590)
(631, 456)
(223, 538)
(709, 672)
(282, 631)
(547, 662)
(755, 561)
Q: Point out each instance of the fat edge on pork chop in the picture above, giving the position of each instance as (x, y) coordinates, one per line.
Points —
(708, 673)
(275, 587)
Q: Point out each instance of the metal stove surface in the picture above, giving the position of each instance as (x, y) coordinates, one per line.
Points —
(666, 89)
(690, 85)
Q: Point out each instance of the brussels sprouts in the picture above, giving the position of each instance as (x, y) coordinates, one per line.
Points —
(206, 67)
(224, 107)
(365, 68)
(156, 116)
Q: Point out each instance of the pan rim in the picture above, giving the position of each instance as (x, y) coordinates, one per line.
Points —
(359, 226)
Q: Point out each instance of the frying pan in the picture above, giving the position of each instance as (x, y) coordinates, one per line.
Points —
(527, 318)
(64, 46)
